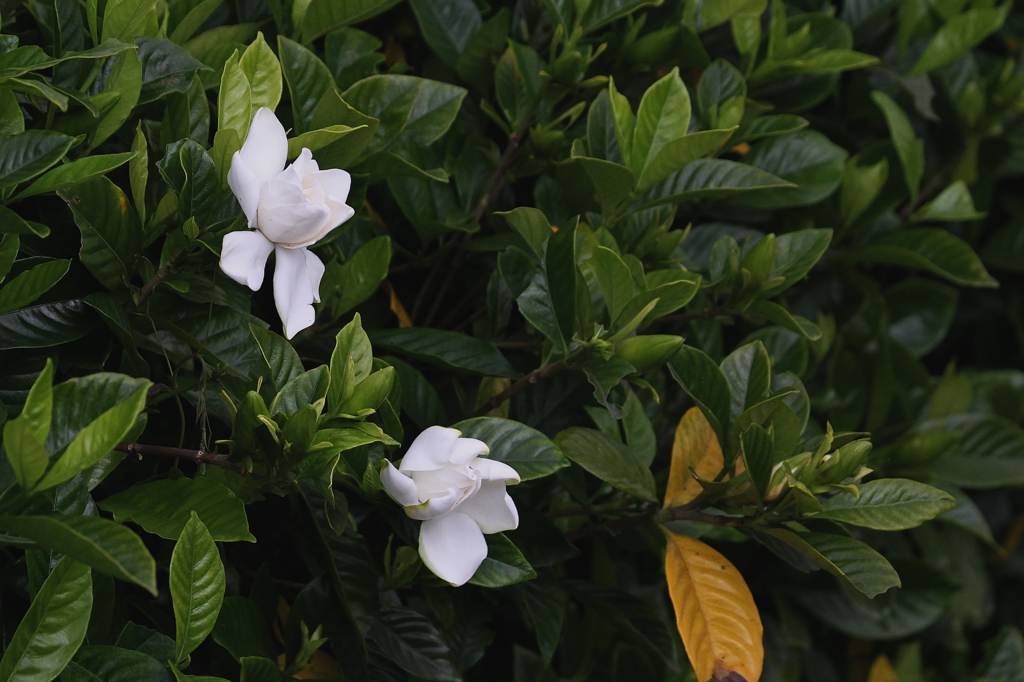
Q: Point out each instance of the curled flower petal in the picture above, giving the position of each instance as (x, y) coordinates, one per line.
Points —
(452, 547)
(297, 274)
(493, 470)
(398, 486)
(435, 506)
(466, 449)
(243, 257)
(492, 508)
(430, 450)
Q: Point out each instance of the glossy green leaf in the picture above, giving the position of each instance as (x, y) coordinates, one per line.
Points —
(528, 451)
(322, 16)
(96, 440)
(104, 545)
(931, 250)
(959, 35)
(909, 148)
(807, 159)
(844, 557)
(164, 507)
(25, 155)
(110, 231)
(197, 586)
(74, 172)
(608, 460)
(445, 348)
(888, 504)
(31, 284)
(53, 627)
(505, 564)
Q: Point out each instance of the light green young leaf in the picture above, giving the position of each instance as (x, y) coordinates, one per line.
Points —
(263, 73)
(663, 116)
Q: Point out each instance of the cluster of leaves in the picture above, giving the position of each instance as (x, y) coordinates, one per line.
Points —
(740, 256)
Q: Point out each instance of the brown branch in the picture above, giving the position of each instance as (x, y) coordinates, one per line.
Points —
(494, 186)
(498, 176)
(162, 273)
(196, 456)
(521, 384)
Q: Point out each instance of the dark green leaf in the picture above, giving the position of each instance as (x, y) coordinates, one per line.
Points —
(104, 545)
(445, 348)
(608, 460)
(528, 451)
(164, 507)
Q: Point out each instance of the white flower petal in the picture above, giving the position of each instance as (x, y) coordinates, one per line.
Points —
(465, 449)
(265, 150)
(243, 257)
(493, 470)
(336, 184)
(246, 188)
(315, 271)
(452, 547)
(398, 486)
(289, 220)
(435, 506)
(430, 450)
(293, 291)
(304, 163)
(492, 508)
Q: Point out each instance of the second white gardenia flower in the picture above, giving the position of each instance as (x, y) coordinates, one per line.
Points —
(445, 481)
(288, 209)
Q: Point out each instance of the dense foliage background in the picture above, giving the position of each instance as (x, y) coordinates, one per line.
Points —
(736, 270)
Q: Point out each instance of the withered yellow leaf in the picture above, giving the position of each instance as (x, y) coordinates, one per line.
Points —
(399, 311)
(715, 612)
(882, 671)
(695, 446)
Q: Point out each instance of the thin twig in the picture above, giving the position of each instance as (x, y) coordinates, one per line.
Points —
(494, 186)
(195, 456)
(533, 377)
(162, 273)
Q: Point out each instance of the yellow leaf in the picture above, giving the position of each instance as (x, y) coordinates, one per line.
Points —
(882, 671)
(715, 612)
(694, 446)
(404, 320)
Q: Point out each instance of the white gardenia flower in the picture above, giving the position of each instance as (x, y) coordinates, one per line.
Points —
(444, 481)
(289, 208)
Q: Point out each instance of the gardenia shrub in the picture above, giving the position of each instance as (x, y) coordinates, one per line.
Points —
(536, 340)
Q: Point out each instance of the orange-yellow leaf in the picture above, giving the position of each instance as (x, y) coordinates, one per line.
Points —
(696, 447)
(882, 671)
(404, 320)
(715, 612)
